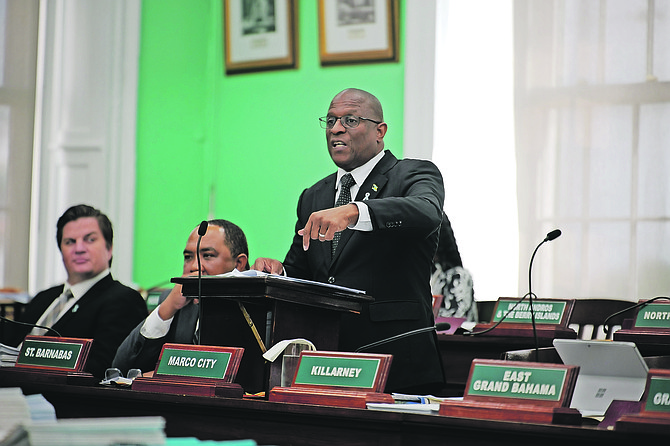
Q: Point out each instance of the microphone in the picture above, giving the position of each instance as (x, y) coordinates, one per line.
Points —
(437, 327)
(31, 325)
(553, 235)
(202, 230)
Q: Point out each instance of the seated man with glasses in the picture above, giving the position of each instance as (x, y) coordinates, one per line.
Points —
(223, 248)
(377, 221)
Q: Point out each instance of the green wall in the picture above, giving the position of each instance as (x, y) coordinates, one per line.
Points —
(240, 147)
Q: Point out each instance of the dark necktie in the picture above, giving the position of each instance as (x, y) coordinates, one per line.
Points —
(344, 198)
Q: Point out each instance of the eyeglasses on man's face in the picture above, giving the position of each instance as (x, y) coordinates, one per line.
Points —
(348, 121)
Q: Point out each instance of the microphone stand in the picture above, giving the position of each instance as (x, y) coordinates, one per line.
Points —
(202, 230)
(551, 236)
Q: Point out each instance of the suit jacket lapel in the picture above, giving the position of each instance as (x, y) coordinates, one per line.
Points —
(325, 199)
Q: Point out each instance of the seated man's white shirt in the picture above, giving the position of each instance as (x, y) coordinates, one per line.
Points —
(78, 290)
(154, 327)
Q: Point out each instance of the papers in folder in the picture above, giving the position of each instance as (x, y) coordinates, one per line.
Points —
(254, 273)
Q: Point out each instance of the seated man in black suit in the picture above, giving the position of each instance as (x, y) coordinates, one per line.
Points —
(91, 304)
(223, 248)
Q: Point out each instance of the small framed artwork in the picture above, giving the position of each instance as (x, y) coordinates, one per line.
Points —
(357, 31)
(259, 35)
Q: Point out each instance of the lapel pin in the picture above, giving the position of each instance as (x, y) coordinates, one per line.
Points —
(75, 308)
(374, 187)
(367, 195)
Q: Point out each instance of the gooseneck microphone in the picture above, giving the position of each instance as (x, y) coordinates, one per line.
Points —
(437, 327)
(202, 230)
(553, 235)
(2, 318)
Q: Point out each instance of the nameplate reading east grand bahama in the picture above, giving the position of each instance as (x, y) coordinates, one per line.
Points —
(198, 361)
(655, 315)
(52, 353)
(546, 311)
(339, 369)
(500, 380)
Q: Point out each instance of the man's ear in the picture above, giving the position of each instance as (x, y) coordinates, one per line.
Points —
(381, 130)
(242, 262)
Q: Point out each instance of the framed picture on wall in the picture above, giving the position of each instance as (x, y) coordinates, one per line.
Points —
(259, 35)
(355, 31)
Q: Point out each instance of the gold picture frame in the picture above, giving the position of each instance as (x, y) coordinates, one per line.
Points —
(358, 31)
(260, 35)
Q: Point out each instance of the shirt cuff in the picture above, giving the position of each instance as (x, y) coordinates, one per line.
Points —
(154, 327)
(364, 222)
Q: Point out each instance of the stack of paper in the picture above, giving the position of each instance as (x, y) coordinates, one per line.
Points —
(14, 409)
(147, 431)
(8, 355)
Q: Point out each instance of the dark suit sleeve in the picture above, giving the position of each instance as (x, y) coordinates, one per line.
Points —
(413, 202)
(139, 352)
(117, 318)
(12, 333)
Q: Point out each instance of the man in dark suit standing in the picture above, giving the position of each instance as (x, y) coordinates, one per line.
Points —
(387, 238)
(223, 249)
(91, 304)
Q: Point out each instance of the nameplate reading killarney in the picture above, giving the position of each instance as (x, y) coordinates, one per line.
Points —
(195, 370)
(337, 379)
(63, 354)
(517, 391)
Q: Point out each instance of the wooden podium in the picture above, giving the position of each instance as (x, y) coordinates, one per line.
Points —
(279, 307)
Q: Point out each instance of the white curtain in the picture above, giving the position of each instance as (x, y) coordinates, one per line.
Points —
(585, 147)
(592, 105)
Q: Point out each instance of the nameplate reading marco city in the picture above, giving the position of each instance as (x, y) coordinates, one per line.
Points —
(491, 379)
(199, 361)
(342, 370)
(656, 315)
(546, 311)
(65, 354)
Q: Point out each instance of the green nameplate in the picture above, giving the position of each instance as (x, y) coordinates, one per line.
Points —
(520, 382)
(38, 352)
(546, 311)
(658, 396)
(337, 371)
(653, 316)
(366, 371)
(195, 363)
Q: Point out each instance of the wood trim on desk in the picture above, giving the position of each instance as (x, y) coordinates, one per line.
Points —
(216, 418)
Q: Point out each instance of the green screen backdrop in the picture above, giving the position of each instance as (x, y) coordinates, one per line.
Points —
(240, 147)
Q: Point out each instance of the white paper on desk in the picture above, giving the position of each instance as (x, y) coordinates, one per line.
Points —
(280, 346)
(405, 407)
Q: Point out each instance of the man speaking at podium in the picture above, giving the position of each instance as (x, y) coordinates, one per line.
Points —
(382, 242)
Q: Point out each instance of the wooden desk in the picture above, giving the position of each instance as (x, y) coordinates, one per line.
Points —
(458, 351)
(297, 424)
